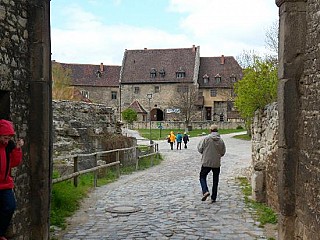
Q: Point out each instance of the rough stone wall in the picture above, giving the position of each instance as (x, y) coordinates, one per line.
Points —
(264, 156)
(80, 128)
(308, 169)
(14, 75)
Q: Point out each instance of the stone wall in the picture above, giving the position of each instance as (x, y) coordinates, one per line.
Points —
(192, 125)
(307, 224)
(24, 99)
(14, 100)
(264, 156)
(79, 128)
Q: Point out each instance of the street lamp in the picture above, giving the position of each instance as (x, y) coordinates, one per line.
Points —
(149, 96)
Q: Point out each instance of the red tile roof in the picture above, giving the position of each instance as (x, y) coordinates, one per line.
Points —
(224, 66)
(135, 105)
(94, 75)
(138, 64)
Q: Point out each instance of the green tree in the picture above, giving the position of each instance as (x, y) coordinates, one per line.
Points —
(129, 115)
(257, 88)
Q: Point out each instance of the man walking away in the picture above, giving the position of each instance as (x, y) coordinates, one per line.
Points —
(185, 139)
(212, 148)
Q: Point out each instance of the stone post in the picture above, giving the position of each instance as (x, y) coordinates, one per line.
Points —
(292, 40)
(40, 117)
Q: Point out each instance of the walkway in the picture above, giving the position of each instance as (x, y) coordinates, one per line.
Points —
(164, 202)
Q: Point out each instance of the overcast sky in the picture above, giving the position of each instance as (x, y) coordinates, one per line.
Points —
(99, 31)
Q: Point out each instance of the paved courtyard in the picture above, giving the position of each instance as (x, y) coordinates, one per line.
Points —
(164, 202)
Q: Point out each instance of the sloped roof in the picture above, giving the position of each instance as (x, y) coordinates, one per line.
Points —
(138, 64)
(94, 75)
(135, 105)
(224, 66)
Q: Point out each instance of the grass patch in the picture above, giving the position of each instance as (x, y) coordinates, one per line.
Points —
(156, 135)
(264, 214)
(66, 198)
(243, 137)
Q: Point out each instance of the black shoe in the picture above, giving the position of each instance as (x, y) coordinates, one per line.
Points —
(213, 201)
(204, 197)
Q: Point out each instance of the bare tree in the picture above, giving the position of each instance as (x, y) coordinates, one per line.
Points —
(272, 37)
(246, 58)
(185, 100)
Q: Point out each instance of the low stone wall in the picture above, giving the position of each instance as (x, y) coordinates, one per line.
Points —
(192, 125)
(264, 156)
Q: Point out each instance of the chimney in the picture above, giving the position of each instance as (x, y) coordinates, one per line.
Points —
(193, 48)
(101, 67)
(145, 48)
(222, 60)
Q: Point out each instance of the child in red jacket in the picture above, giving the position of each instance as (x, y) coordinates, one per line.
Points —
(10, 156)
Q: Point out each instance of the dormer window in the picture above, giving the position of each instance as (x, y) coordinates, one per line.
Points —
(153, 73)
(98, 74)
(233, 78)
(180, 73)
(218, 78)
(205, 79)
(162, 73)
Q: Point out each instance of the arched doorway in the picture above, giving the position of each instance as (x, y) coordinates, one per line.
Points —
(157, 114)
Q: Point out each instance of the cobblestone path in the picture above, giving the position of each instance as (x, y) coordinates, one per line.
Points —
(164, 202)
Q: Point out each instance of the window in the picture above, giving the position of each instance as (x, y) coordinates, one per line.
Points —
(180, 73)
(205, 79)
(113, 95)
(153, 73)
(98, 74)
(162, 73)
(182, 89)
(213, 92)
(157, 89)
(233, 78)
(136, 90)
(85, 93)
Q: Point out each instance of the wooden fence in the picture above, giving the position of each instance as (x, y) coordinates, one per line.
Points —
(153, 151)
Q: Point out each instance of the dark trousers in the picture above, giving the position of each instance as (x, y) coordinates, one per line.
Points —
(171, 145)
(203, 180)
(178, 145)
(7, 208)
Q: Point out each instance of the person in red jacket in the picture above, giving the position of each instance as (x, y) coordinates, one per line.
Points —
(10, 156)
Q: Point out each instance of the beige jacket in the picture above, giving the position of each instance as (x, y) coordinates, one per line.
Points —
(212, 149)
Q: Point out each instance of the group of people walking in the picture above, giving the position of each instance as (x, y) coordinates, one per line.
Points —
(172, 138)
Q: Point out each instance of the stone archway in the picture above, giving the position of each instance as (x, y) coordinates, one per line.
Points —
(157, 114)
